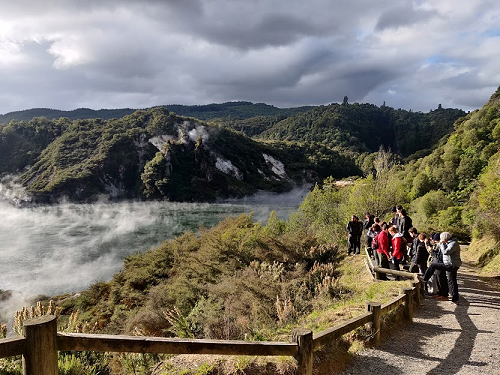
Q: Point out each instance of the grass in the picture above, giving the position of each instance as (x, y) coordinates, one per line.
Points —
(483, 253)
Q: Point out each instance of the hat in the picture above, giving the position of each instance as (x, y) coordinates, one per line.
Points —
(436, 237)
(445, 236)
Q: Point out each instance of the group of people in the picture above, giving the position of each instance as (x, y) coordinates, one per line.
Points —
(436, 258)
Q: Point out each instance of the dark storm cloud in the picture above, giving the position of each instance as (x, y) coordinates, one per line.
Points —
(130, 53)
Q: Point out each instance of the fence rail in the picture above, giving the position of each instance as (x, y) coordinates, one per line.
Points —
(137, 344)
(41, 341)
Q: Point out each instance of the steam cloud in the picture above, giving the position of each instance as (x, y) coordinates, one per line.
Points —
(65, 248)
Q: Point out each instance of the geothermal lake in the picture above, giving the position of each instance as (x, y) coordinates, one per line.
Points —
(65, 248)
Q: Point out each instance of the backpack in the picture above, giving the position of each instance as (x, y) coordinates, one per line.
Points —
(375, 243)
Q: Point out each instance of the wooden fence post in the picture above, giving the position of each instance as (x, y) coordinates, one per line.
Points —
(418, 293)
(408, 305)
(41, 346)
(374, 308)
(304, 338)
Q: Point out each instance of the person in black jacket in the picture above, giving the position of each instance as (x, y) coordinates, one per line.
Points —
(404, 223)
(420, 255)
(354, 230)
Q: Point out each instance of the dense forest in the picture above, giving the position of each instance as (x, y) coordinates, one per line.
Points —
(157, 153)
(245, 280)
(228, 111)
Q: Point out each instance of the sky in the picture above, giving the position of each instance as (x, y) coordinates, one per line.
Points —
(68, 54)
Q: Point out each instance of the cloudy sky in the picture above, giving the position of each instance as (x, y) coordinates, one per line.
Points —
(68, 54)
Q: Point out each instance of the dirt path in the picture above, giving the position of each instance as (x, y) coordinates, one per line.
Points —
(443, 338)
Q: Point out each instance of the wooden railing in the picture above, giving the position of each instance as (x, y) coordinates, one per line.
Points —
(41, 342)
(377, 271)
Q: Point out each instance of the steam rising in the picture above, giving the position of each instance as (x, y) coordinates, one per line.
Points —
(65, 248)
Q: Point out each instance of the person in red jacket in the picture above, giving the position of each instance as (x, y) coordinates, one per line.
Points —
(398, 247)
(382, 247)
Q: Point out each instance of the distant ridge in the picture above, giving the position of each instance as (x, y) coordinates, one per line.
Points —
(232, 110)
(79, 113)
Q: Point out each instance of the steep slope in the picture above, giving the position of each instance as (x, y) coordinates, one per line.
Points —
(157, 154)
(365, 127)
(457, 186)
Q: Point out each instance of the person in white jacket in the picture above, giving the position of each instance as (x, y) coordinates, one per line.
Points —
(451, 263)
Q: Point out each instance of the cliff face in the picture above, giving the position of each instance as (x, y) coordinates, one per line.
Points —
(157, 154)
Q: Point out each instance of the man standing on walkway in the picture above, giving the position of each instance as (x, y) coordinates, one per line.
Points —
(354, 229)
(451, 262)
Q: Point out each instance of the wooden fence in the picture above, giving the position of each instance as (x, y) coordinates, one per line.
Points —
(41, 342)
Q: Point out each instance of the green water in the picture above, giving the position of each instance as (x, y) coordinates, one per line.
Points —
(65, 248)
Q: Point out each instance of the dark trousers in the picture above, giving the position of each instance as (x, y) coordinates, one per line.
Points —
(382, 262)
(451, 276)
(442, 283)
(354, 244)
(396, 263)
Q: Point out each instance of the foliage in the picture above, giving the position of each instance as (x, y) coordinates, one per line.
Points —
(156, 154)
(328, 208)
(366, 127)
(226, 282)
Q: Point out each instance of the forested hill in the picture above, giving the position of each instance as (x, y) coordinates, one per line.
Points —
(155, 154)
(365, 127)
(226, 111)
(457, 186)
(80, 113)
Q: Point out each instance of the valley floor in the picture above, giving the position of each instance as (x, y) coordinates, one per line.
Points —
(444, 338)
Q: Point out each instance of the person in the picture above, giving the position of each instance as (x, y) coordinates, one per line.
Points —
(437, 284)
(404, 223)
(450, 249)
(398, 247)
(395, 219)
(414, 242)
(418, 263)
(383, 245)
(372, 233)
(367, 224)
(354, 229)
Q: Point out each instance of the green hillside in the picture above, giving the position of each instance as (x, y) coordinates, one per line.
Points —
(365, 127)
(155, 154)
(222, 111)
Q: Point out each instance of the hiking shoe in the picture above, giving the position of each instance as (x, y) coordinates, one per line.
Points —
(442, 298)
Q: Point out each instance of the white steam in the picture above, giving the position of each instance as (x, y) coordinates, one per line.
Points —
(65, 248)
(11, 190)
(185, 132)
(199, 132)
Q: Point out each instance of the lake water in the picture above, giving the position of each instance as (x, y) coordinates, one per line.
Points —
(65, 248)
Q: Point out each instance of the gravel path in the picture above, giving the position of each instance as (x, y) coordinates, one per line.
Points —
(444, 338)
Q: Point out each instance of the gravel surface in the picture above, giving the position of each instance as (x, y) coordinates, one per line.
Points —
(444, 338)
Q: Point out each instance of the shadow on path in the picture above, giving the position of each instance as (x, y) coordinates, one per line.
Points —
(410, 350)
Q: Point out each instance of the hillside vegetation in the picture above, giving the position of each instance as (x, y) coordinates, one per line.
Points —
(366, 127)
(159, 154)
(228, 111)
(244, 280)
(155, 154)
